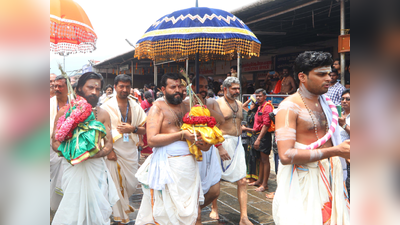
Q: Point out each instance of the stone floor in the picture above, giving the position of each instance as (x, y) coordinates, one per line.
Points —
(258, 206)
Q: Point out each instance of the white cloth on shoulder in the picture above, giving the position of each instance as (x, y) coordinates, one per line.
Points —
(174, 172)
(309, 191)
(235, 168)
(209, 168)
(89, 194)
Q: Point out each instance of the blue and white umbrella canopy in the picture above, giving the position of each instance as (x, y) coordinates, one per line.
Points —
(213, 33)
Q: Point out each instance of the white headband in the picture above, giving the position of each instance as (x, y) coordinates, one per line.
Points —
(325, 69)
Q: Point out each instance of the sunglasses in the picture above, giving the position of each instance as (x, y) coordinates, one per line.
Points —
(347, 99)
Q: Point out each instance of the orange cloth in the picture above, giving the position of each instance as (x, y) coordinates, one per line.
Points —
(278, 86)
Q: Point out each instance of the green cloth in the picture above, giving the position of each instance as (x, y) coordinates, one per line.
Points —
(84, 139)
(33, 147)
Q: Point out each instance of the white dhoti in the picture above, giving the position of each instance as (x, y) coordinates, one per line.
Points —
(209, 168)
(56, 171)
(171, 187)
(234, 169)
(123, 173)
(310, 194)
(89, 194)
(56, 168)
(124, 169)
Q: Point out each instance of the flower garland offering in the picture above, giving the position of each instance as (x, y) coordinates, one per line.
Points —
(81, 110)
(79, 132)
(199, 120)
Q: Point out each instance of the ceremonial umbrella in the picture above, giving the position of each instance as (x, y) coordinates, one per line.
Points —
(70, 29)
(210, 34)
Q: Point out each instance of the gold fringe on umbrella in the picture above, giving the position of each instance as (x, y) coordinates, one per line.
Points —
(208, 49)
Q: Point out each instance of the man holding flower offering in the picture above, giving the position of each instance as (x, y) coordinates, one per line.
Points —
(80, 129)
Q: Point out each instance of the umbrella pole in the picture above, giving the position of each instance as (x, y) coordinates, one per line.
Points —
(155, 72)
(197, 72)
(196, 65)
(239, 75)
(187, 68)
(64, 62)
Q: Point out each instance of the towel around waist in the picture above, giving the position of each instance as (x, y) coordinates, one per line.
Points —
(177, 148)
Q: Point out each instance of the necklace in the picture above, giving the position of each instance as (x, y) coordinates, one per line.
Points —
(234, 111)
(95, 113)
(178, 118)
(234, 114)
(312, 118)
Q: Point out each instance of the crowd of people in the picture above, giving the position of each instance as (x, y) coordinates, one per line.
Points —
(309, 135)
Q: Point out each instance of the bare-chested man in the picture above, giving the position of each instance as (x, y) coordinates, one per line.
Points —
(310, 182)
(170, 176)
(89, 191)
(209, 168)
(231, 152)
(288, 85)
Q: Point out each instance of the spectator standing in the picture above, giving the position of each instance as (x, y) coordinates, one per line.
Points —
(335, 88)
(148, 101)
(261, 138)
(288, 84)
(252, 161)
(344, 123)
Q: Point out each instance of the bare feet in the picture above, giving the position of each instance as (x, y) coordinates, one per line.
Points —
(245, 221)
(257, 183)
(250, 180)
(270, 195)
(214, 214)
(261, 188)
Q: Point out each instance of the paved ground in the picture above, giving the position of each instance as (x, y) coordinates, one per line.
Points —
(259, 207)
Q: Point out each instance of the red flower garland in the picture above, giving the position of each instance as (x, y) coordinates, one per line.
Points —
(210, 121)
(81, 110)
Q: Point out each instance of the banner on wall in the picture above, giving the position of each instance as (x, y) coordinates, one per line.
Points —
(207, 69)
(256, 66)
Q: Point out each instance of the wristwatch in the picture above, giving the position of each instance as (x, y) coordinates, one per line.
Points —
(136, 129)
(344, 126)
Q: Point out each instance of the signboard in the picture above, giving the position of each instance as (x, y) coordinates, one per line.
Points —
(256, 66)
(124, 67)
(207, 69)
(344, 43)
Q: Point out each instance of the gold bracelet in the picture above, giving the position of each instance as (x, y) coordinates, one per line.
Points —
(183, 133)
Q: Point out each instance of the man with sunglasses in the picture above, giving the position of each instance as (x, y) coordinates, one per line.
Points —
(335, 87)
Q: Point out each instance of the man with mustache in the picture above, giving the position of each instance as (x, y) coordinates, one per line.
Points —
(127, 123)
(310, 180)
(210, 171)
(170, 176)
(89, 191)
(56, 170)
(231, 153)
